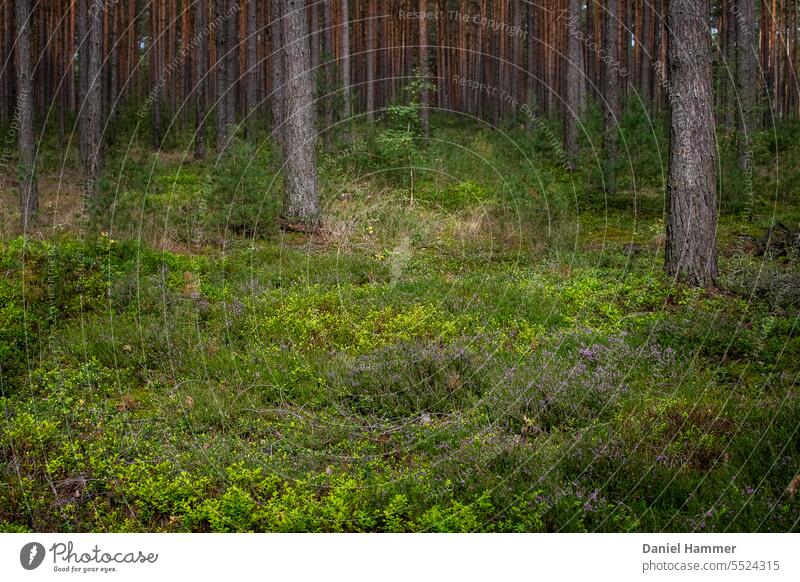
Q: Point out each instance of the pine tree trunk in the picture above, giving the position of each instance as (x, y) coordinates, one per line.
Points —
(94, 102)
(610, 79)
(531, 64)
(347, 105)
(223, 84)
(114, 65)
(200, 72)
(327, 99)
(156, 62)
(276, 58)
(370, 56)
(5, 73)
(746, 71)
(300, 208)
(251, 69)
(83, 76)
(29, 198)
(232, 64)
(425, 97)
(646, 62)
(278, 75)
(575, 77)
(691, 253)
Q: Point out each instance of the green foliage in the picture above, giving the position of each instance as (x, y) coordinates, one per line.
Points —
(504, 355)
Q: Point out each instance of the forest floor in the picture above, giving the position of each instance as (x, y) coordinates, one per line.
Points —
(488, 344)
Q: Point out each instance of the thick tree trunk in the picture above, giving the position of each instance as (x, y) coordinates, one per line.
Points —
(300, 208)
(425, 96)
(200, 72)
(691, 253)
(575, 78)
(746, 71)
(29, 199)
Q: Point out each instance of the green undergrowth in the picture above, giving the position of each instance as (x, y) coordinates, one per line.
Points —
(486, 343)
(274, 388)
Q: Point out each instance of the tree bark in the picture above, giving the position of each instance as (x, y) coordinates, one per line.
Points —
(347, 105)
(301, 207)
(278, 75)
(610, 79)
(200, 72)
(29, 198)
(251, 69)
(691, 253)
(232, 60)
(646, 58)
(114, 73)
(156, 64)
(530, 75)
(223, 83)
(94, 102)
(83, 76)
(746, 71)
(370, 56)
(425, 97)
(575, 78)
(326, 98)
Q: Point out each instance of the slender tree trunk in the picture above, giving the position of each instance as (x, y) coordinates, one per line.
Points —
(646, 59)
(5, 62)
(347, 104)
(425, 96)
(327, 98)
(94, 102)
(114, 65)
(83, 76)
(746, 71)
(223, 84)
(29, 198)
(301, 207)
(251, 69)
(278, 75)
(186, 61)
(610, 79)
(370, 56)
(156, 63)
(530, 75)
(575, 77)
(232, 64)
(200, 72)
(691, 253)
